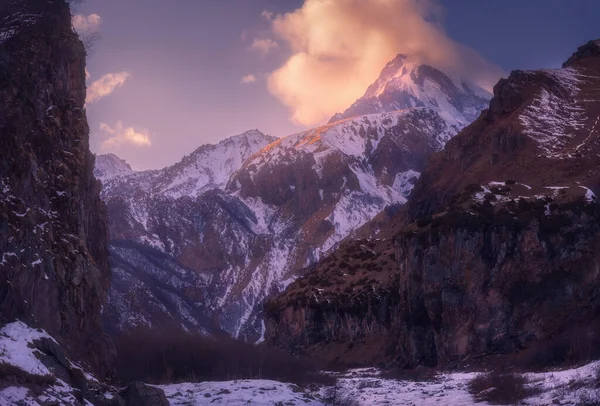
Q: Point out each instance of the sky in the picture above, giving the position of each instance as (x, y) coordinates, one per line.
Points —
(167, 76)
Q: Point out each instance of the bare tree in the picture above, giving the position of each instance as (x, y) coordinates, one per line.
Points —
(89, 40)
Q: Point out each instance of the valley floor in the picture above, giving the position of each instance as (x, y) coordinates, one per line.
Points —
(367, 387)
(28, 376)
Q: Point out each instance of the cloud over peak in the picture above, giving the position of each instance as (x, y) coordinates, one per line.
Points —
(120, 135)
(339, 47)
(106, 85)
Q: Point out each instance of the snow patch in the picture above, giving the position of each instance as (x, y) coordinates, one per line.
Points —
(15, 341)
(589, 195)
(553, 118)
(404, 182)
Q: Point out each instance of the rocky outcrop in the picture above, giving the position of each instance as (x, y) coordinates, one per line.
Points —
(35, 370)
(495, 252)
(139, 394)
(54, 269)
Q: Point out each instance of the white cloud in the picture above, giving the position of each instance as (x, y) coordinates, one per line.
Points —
(106, 85)
(248, 79)
(339, 47)
(263, 45)
(120, 135)
(83, 24)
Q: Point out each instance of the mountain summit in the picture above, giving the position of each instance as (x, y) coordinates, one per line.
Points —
(110, 166)
(405, 83)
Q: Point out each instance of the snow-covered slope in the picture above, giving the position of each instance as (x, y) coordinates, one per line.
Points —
(210, 166)
(35, 371)
(110, 166)
(556, 116)
(353, 168)
(405, 83)
(245, 217)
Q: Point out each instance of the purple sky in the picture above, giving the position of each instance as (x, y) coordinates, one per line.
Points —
(186, 59)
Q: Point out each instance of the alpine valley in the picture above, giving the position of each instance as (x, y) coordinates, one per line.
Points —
(201, 244)
(433, 244)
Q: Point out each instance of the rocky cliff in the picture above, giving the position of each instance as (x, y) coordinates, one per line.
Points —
(496, 251)
(54, 270)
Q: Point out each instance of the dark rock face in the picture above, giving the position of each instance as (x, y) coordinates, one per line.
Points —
(178, 286)
(589, 50)
(496, 282)
(54, 270)
(495, 252)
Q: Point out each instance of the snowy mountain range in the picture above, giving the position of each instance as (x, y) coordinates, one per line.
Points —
(203, 243)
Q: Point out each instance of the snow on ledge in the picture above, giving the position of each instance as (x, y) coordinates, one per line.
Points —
(589, 195)
(16, 348)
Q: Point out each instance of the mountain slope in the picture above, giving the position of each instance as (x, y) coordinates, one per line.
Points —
(151, 213)
(54, 270)
(495, 253)
(281, 210)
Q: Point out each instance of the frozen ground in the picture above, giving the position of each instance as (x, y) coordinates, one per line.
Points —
(367, 387)
(353, 388)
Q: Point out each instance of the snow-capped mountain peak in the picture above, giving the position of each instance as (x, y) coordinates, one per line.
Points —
(109, 166)
(399, 67)
(406, 83)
